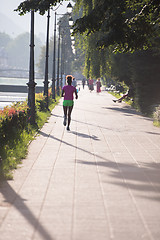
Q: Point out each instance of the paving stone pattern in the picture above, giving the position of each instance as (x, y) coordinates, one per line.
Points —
(100, 181)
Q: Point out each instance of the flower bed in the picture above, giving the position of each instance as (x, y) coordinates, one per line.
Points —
(16, 131)
(11, 118)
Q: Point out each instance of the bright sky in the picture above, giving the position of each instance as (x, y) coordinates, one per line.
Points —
(23, 22)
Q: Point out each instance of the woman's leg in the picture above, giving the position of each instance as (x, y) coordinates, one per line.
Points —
(65, 115)
(65, 110)
(69, 115)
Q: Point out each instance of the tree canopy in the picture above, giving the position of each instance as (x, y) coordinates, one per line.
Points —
(126, 24)
(40, 6)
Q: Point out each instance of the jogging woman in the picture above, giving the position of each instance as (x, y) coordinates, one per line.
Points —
(67, 93)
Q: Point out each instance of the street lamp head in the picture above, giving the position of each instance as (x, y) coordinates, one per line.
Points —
(71, 30)
(70, 21)
(73, 42)
(69, 7)
(72, 46)
(73, 49)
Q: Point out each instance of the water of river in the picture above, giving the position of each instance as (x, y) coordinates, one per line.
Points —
(7, 98)
(18, 81)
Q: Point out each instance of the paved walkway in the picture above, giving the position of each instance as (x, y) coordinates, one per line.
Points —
(100, 181)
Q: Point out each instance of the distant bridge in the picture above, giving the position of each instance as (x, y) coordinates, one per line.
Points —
(16, 73)
(19, 89)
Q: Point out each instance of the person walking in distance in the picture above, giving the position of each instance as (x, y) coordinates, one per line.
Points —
(67, 93)
(74, 82)
(83, 82)
(98, 83)
(91, 87)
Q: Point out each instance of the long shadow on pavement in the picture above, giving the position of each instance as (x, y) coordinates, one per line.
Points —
(128, 111)
(133, 174)
(58, 116)
(71, 145)
(85, 135)
(94, 125)
(125, 109)
(15, 200)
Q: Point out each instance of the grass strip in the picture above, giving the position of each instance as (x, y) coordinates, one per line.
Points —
(16, 148)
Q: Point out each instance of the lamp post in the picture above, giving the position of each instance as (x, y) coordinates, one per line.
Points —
(69, 9)
(58, 62)
(54, 62)
(46, 82)
(31, 84)
(71, 30)
(70, 21)
(72, 37)
(62, 61)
